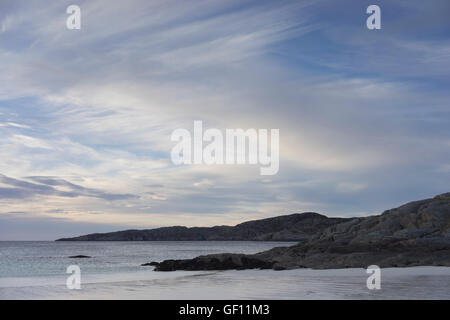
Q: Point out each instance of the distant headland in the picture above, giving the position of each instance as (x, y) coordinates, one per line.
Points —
(294, 227)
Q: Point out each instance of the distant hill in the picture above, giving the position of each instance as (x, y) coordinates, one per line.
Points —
(294, 227)
(414, 234)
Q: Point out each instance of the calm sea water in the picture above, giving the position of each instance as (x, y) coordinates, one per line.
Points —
(37, 270)
(45, 258)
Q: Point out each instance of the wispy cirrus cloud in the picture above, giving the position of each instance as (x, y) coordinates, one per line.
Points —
(87, 115)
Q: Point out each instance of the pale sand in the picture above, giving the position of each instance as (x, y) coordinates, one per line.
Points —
(396, 283)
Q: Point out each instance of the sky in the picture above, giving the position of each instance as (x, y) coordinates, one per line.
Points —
(86, 115)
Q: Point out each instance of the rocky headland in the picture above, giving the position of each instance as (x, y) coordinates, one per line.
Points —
(414, 234)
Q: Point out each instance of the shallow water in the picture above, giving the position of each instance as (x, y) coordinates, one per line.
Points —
(36, 270)
(48, 258)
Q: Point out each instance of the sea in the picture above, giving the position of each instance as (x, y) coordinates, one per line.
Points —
(38, 270)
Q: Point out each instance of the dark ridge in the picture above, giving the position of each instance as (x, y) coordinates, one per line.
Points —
(294, 227)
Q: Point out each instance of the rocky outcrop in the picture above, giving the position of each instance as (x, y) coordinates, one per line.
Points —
(215, 262)
(294, 227)
(417, 233)
(153, 264)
